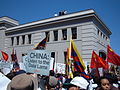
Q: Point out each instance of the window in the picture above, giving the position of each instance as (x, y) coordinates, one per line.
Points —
(106, 38)
(29, 39)
(23, 39)
(12, 41)
(74, 33)
(53, 55)
(65, 55)
(55, 35)
(98, 32)
(102, 55)
(64, 34)
(101, 34)
(47, 35)
(17, 40)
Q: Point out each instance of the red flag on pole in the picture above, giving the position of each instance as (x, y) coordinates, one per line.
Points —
(16, 65)
(14, 56)
(112, 57)
(94, 65)
(98, 62)
(5, 55)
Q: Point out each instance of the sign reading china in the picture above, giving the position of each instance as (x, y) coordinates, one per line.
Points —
(38, 61)
(61, 68)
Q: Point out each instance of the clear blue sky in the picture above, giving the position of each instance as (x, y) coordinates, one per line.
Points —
(32, 10)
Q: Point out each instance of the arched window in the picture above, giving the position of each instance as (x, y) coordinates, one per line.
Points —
(102, 54)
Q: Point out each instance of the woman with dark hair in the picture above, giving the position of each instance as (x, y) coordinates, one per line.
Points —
(104, 84)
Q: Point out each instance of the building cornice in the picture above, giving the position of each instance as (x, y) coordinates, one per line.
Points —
(72, 16)
(8, 20)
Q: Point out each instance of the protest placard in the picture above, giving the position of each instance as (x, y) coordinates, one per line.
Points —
(4, 64)
(61, 68)
(38, 61)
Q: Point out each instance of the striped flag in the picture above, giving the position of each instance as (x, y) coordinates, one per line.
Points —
(16, 65)
(77, 60)
(14, 56)
(42, 44)
(68, 62)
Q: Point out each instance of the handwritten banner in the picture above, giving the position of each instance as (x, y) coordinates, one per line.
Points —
(38, 61)
(61, 68)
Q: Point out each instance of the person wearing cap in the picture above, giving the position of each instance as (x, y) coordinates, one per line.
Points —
(52, 81)
(77, 83)
(23, 82)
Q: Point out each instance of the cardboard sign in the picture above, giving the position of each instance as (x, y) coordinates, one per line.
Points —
(38, 61)
(61, 68)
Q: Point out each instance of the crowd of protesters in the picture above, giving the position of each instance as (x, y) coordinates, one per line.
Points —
(20, 80)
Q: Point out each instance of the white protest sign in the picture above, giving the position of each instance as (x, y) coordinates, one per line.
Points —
(4, 64)
(24, 59)
(4, 81)
(61, 68)
(38, 61)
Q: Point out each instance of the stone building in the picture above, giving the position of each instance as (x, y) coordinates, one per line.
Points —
(85, 27)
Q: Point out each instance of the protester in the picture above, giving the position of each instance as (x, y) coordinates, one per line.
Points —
(23, 82)
(77, 83)
(52, 81)
(42, 79)
(104, 84)
(11, 74)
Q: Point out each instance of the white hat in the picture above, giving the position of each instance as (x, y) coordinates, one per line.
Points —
(80, 82)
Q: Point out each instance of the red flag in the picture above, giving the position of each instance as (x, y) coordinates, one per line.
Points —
(14, 56)
(98, 62)
(94, 65)
(5, 55)
(112, 57)
(67, 62)
(16, 65)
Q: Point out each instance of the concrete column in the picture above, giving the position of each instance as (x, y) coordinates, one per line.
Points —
(79, 32)
(59, 35)
(15, 41)
(51, 36)
(26, 39)
(69, 33)
(20, 40)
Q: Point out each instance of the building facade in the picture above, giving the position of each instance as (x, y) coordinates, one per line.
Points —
(85, 27)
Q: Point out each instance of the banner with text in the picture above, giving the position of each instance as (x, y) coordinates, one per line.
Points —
(61, 68)
(38, 61)
(4, 64)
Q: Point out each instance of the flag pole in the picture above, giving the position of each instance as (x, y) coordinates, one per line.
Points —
(70, 59)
